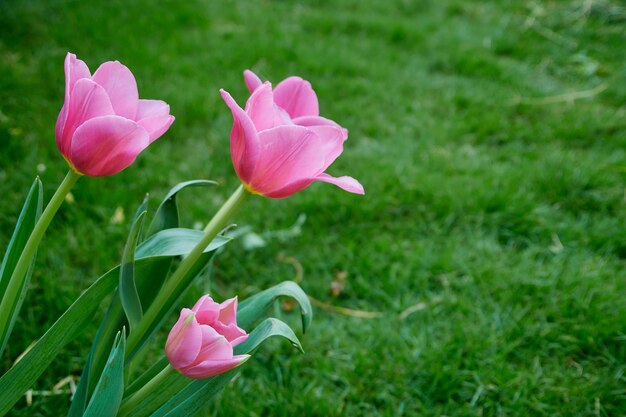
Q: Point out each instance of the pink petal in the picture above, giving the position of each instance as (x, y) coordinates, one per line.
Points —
(262, 110)
(310, 121)
(228, 311)
(290, 188)
(252, 80)
(244, 141)
(106, 145)
(347, 183)
(214, 346)
(207, 311)
(154, 116)
(88, 100)
(211, 368)
(288, 154)
(233, 333)
(152, 108)
(184, 341)
(60, 125)
(314, 121)
(75, 69)
(121, 87)
(156, 126)
(332, 139)
(297, 97)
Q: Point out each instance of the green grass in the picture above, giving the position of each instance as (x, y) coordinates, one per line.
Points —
(494, 204)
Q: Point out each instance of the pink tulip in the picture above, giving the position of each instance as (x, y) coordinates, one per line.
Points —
(103, 124)
(279, 144)
(200, 344)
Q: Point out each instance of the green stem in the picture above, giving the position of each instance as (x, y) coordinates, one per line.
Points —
(217, 223)
(9, 306)
(131, 402)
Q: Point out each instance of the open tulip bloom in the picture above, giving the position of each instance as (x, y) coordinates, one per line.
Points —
(103, 124)
(279, 144)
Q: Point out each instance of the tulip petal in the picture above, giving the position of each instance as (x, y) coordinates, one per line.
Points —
(156, 126)
(331, 139)
(347, 183)
(106, 145)
(154, 116)
(252, 80)
(244, 140)
(314, 121)
(262, 110)
(184, 341)
(214, 346)
(211, 368)
(289, 189)
(310, 121)
(152, 108)
(288, 154)
(121, 87)
(88, 100)
(297, 97)
(207, 311)
(233, 333)
(75, 69)
(228, 311)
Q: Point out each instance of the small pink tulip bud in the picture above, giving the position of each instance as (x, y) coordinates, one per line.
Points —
(103, 124)
(200, 344)
(279, 144)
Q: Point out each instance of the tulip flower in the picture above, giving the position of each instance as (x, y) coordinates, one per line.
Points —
(200, 344)
(280, 144)
(103, 124)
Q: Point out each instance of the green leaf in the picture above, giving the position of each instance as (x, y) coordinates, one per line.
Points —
(268, 328)
(166, 216)
(195, 395)
(31, 211)
(24, 373)
(107, 396)
(253, 307)
(148, 277)
(79, 400)
(156, 367)
(127, 288)
(174, 242)
(80, 314)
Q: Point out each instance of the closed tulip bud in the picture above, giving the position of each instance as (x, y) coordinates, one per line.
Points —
(200, 345)
(280, 144)
(103, 124)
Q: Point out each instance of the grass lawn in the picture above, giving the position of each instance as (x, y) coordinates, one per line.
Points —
(491, 141)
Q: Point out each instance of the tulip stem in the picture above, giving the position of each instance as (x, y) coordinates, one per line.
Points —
(16, 287)
(170, 290)
(135, 398)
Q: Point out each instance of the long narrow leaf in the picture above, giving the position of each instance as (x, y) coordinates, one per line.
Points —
(23, 374)
(166, 216)
(106, 399)
(31, 211)
(127, 288)
(253, 307)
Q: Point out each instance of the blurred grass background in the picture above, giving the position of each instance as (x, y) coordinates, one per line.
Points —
(490, 138)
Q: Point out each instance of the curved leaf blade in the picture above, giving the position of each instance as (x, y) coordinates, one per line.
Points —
(253, 307)
(24, 373)
(166, 216)
(127, 288)
(176, 242)
(31, 211)
(107, 397)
